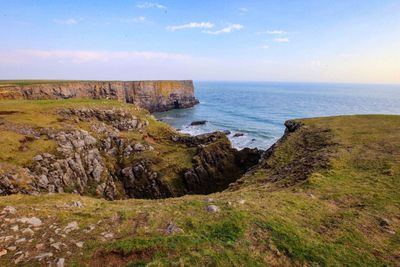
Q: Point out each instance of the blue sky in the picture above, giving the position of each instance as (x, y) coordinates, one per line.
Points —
(282, 40)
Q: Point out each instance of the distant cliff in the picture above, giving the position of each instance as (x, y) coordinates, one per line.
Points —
(151, 95)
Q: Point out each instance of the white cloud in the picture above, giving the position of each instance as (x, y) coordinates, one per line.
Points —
(272, 32)
(276, 32)
(243, 9)
(191, 25)
(151, 5)
(282, 40)
(70, 21)
(140, 19)
(228, 29)
(264, 46)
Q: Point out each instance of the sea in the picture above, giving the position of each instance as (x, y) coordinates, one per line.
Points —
(258, 110)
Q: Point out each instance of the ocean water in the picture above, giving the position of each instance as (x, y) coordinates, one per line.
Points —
(258, 110)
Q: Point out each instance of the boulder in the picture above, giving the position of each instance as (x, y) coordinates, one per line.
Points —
(212, 209)
(202, 122)
(238, 134)
(35, 222)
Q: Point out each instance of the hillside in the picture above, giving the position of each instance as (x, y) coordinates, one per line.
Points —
(326, 194)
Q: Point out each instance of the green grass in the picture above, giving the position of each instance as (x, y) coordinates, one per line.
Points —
(329, 219)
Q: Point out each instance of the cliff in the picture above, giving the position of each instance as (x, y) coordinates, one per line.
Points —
(111, 150)
(326, 194)
(151, 95)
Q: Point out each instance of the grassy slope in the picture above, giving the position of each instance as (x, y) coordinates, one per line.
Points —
(18, 149)
(331, 219)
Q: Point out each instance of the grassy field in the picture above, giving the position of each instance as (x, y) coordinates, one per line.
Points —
(344, 212)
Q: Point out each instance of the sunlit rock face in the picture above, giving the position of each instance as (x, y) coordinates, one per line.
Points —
(151, 95)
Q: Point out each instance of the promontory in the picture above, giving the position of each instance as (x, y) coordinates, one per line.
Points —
(89, 177)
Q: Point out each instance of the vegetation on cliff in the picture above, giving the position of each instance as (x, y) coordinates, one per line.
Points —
(325, 195)
(108, 149)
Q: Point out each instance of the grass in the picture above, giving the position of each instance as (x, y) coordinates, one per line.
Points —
(13, 83)
(330, 218)
(18, 117)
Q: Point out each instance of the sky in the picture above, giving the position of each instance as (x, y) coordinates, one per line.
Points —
(345, 41)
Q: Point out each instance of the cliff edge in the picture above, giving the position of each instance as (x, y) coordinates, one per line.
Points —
(326, 194)
(151, 95)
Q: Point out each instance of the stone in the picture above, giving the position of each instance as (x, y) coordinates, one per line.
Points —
(57, 245)
(9, 210)
(139, 147)
(44, 255)
(12, 248)
(227, 132)
(8, 238)
(19, 259)
(35, 222)
(384, 222)
(242, 201)
(43, 181)
(201, 122)
(89, 228)
(108, 235)
(76, 204)
(60, 262)
(311, 195)
(79, 244)
(39, 246)
(15, 228)
(3, 252)
(212, 209)
(173, 229)
(38, 158)
(90, 140)
(238, 134)
(72, 226)
(28, 231)
(47, 155)
(21, 240)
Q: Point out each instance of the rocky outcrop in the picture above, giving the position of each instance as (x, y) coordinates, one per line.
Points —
(216, 164)
(105, 164)
(151, 95)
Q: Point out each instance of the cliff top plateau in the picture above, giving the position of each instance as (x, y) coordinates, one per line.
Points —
(326, 194)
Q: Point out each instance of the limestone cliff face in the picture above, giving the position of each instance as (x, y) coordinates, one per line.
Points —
(151, 95)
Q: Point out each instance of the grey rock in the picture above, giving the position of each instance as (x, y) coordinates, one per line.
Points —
(212, 209)
(384, 222)
(76, 204)
(21, 240)
(35, 222)
(28, 231)
(139, 147)
(9, 210)
(44, 255)
(90, 140)
(60, 262)
(238, 134)
(172, 228)
(57, 245)
(37, 158)
(201, 122)
(43, 181)
(72, 226)
(11, 248)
